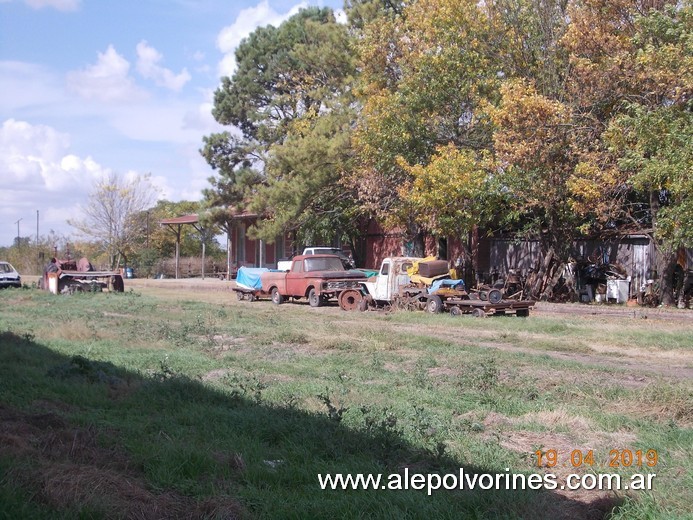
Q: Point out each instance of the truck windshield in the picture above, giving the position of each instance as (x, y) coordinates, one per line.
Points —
(325, 263)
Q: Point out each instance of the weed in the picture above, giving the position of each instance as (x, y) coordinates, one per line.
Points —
(482, 377)
(165, 371)
(334, 413)
(89, 371)
(248, 387)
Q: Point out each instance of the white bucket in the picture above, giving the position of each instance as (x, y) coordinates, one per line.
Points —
(617, 290)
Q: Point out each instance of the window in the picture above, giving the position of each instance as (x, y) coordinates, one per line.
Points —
(326, 263)
(385, 270)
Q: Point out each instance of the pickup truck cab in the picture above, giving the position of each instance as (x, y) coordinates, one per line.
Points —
(318, 277)
(347, 261)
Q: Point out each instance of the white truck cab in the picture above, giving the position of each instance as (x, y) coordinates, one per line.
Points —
(391, 277)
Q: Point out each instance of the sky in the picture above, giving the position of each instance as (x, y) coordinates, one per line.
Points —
(93, 87)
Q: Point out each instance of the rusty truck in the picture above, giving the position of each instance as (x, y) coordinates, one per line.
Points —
(319, 278)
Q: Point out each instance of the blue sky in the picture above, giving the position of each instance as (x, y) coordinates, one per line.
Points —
(90, 87)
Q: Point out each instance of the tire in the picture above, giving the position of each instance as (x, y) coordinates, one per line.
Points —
(314, 299)
(239, 295)
(277, 298)
(455, 311)
(434, 304)
(495, 296)
(363, 305)
(478, 313)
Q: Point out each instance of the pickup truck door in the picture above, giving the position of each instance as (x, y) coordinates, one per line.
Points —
(382, 286)
(295, 285)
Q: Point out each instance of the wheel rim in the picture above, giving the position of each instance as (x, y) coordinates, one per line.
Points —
(434, 305)
(495, 296)
(314, 299)
(350, 300)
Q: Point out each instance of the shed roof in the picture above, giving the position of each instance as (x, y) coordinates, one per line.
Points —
(185, 219)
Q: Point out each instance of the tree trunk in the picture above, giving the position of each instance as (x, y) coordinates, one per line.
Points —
(665, 257)
(666, 264)
(547, 294)
(683, 299)
(539, 280)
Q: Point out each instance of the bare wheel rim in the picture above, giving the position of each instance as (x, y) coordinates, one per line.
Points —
(349, 300)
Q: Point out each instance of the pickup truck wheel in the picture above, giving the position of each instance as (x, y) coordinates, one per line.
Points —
(435, 304)
(314, 299)
(277, 298)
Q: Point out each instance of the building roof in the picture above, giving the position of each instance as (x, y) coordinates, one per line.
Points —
(185, 219)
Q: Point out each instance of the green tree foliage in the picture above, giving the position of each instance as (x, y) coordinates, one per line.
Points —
(632, 78)
(425, 74)
(290, 99)
(453, 193)
(429, 76)
(533, 144)
(574, 116)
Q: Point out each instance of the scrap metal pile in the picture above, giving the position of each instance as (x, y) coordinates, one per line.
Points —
(70, 276)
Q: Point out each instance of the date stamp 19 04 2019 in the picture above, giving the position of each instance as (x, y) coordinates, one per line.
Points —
(618, 458)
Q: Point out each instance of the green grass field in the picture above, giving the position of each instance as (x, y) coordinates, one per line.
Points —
(175, 403)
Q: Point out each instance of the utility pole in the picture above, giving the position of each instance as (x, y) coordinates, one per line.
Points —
(18, 242)
(38, 248)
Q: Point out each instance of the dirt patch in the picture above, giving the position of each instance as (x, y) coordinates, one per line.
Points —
(443, 372)
(669, 364)
(67, 468)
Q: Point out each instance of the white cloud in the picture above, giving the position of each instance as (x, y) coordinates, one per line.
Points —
(60, 5)
(247, 21)
(148, 59)
(107, 80)
(41, 173)
(36, 156)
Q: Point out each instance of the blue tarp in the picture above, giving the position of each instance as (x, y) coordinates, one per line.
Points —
(249, 277)
(447, 282)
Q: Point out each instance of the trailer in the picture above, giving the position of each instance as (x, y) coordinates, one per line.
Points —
(248, 284)
(481, 308)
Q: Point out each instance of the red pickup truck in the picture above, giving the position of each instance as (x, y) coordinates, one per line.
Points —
(316, 277)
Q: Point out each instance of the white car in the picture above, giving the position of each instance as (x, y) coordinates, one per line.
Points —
(9, 277)
(324, 250)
